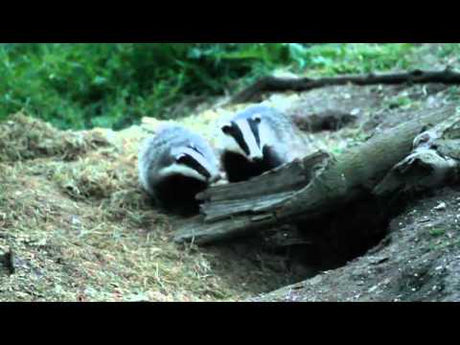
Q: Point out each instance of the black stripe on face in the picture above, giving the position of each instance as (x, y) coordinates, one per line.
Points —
(191, 162)
(235, 132)
(254, 125)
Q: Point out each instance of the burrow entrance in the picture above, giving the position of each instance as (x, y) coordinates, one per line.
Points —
(321, 244)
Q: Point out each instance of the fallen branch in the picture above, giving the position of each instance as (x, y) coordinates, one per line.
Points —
(303, 189)
(275, 84)
(434, 161)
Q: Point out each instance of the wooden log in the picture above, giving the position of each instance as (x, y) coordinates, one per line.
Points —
(304, 189)
(276, 84)
(434, 161)
(272, 187)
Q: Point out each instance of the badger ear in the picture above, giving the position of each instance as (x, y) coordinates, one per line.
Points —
(227, 128)
(257, 118)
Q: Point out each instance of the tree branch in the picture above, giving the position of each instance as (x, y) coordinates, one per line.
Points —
(274, 84)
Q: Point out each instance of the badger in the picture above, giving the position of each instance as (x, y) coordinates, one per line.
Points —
(256, 140)
(174, 165)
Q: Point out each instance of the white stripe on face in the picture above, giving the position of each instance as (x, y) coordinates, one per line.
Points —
(181, 170)
(248, 136)
(200, 159)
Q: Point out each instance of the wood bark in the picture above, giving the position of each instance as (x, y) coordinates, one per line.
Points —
(434, 161)
(305, 188)
(275, 84)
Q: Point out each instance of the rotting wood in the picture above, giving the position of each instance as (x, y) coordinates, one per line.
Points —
(434, 161)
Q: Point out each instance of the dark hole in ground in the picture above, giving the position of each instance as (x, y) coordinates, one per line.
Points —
(332, 240)
(321, 244)
(6, 263)
(343, 235)
(328, 120)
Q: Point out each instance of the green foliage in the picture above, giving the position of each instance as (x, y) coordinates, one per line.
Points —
(330, 59)
(114, 85)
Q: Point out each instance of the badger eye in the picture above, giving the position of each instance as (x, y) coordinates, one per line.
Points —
(257, 118)
(227, 129)
(180, 158)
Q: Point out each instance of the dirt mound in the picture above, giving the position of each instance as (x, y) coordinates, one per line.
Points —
(75, 226)
(23, 138)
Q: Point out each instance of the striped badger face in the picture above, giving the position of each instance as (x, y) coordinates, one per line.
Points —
(189, 161)
(242, 136)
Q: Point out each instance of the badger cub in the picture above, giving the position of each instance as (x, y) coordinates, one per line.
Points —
(174, 166)
(256, 140)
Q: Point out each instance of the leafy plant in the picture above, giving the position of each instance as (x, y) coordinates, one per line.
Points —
(114, 85)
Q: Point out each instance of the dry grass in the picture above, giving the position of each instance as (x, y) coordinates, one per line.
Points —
(80, 229)
(22, 138)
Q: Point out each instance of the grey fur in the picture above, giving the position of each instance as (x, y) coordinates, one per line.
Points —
(280, 142)
(157, 158)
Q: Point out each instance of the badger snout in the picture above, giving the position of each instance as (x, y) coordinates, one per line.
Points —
(256, 158)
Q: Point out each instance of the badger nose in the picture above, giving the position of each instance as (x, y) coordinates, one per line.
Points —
(257, 158)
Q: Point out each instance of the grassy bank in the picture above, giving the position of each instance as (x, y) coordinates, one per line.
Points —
(113, 85)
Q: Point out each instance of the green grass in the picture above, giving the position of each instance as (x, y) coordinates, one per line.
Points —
(330, 59)
(114, 85)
